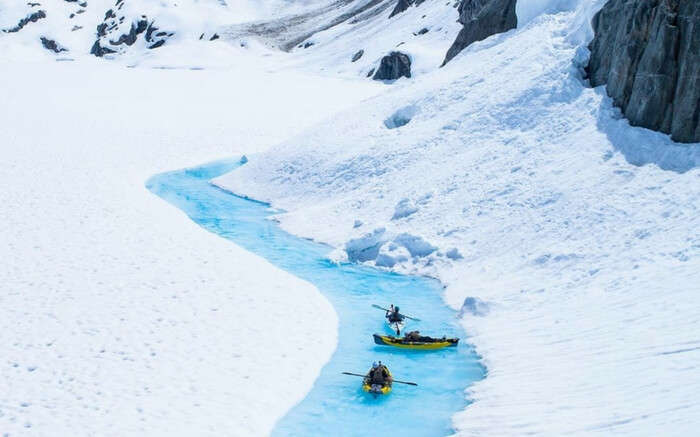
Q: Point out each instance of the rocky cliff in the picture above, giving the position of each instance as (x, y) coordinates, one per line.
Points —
(647, 53)
(481, 19)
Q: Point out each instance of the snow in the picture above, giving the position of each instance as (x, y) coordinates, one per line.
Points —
(577, 233)
(567, 239)
(118, 315)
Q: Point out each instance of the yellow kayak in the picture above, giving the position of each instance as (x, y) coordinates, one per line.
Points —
(376, 389)
(426, 343)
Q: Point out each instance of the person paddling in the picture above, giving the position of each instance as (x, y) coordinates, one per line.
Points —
(379, 374)
(393, 314)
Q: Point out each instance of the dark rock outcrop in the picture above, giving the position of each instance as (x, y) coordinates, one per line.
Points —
(52, 45)
(358, 55)
(393, 66)
(402, 5)
(647, 53)
(481, 19)
(31, 18)
(111, 34)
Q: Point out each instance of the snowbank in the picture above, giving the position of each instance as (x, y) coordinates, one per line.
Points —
(118, 315)
(583, 265)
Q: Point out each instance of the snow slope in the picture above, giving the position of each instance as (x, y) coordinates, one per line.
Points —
(569, 238)
(118, 315)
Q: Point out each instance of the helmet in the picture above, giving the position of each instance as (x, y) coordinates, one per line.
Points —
(397, 309)
(375, 365)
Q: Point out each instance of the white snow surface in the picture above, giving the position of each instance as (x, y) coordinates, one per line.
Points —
(567, 239)
(570, 236)
(119, 315)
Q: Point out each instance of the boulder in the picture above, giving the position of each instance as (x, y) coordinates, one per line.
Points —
(358, 55)
(52, 45)
(481, 19)
(647, 53)
(402, 5)
(393, 66)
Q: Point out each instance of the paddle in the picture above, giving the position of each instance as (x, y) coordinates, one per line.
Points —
(387, 309)
(393, 380)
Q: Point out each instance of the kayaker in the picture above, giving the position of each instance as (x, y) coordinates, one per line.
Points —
(393, 314)
(378, 374)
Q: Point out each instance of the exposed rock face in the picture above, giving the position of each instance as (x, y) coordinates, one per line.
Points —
(647, 52)
(32, 18)
(481, 19)
(402, 5)
(358, 55)
(393, 66)
(113, 36)
(50, 44)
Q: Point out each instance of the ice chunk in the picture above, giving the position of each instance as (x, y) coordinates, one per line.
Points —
(404, 208)
(365, 248)
(415, 245)
(401, 117)
(391, 254)
(474, 306)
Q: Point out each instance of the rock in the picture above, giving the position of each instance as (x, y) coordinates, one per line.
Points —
(31, 18)
(50, 44)
(100, 51)
(358, 55)
(402, 5)
(214, 37)
(647, 53)
(423, 31)
(370, 72)
(393, 66)
(481, 19)
(112, 26)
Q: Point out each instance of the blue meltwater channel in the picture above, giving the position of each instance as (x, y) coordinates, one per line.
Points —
(336, 405)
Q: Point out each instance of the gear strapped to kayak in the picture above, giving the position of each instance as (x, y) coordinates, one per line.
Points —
(414, 340)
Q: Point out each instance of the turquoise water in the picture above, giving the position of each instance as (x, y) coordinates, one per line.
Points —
(336, 405)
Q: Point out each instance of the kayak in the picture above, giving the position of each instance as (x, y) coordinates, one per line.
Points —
(376, 389)
(426, 344)
(396, 327)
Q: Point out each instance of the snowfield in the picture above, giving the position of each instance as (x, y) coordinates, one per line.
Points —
(568, 240)
(119, 315)
(575, 235)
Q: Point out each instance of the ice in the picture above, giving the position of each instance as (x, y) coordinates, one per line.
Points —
(404, 208)
(474, 306)
(366, 247)
(546, 187)
(401, 117)
(566, 237)
(119, 315)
